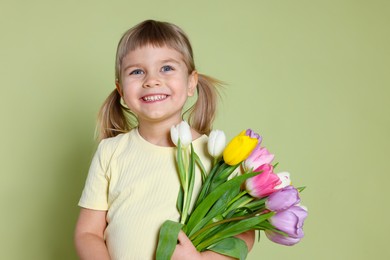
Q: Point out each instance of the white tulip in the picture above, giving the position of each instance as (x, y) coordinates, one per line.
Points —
(181, 131)
(216, 143)
(285, 178)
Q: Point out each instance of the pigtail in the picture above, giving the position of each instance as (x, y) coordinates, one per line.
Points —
(202, 113)
(112, 118)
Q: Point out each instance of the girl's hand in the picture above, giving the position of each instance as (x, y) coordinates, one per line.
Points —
(185, 249)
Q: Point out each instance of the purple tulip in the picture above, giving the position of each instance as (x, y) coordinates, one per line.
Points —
(282, 199)
(280, 239)
(252, 134)
(290, 221)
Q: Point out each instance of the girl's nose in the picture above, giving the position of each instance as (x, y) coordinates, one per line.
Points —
(151, 81)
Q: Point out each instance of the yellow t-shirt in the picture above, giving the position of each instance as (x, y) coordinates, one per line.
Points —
(137, 183)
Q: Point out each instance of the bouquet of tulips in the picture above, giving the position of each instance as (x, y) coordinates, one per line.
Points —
(240, 193)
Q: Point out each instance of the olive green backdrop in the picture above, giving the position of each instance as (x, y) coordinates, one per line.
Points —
(311, 76)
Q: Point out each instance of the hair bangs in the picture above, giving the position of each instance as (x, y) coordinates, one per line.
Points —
(156, 34)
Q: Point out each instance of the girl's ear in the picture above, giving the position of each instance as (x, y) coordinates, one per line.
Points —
(118, 87)
(192, 83)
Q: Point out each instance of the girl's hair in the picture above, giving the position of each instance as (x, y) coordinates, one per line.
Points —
(115, 118)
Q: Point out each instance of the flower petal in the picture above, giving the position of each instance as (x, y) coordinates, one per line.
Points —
(285, 180)
(280, 239)
(282, 199)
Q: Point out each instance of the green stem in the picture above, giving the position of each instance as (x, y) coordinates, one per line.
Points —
(185, 188)
(242, 193)
(225, 221)
(215, 161)
(249, 222)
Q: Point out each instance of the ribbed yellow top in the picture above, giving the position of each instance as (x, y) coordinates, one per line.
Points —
(137, 183)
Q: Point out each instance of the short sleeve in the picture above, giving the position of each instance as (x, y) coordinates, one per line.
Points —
(95, 193)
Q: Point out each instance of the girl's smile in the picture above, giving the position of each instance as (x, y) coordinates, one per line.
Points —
(154, 98)
(156, 83)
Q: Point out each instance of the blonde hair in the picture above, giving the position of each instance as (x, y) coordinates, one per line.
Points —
(115, 118)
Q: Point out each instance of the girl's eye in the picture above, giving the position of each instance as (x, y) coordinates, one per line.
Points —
(166, 68)
(136, 72)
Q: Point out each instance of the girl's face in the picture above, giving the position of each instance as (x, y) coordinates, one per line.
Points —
(155, 84)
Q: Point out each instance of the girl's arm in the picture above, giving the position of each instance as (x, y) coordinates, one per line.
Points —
(89, 239)
(186, 250)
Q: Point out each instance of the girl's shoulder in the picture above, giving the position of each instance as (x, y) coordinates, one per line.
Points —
(201, 140)
(108, 146)
(112, 141)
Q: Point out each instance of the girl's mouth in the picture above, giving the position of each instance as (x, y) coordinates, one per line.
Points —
(152, 98)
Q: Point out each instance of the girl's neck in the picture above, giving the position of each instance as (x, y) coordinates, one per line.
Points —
(157, 134)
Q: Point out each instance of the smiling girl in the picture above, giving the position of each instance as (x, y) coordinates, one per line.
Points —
(132, 184)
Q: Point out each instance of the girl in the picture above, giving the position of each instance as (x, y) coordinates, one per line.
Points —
(132, 183)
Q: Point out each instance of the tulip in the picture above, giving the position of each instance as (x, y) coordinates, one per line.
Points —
(284, 177)
(281, 239)
(252, 134)
(264, 183)
(239, 148)
(282, 199)
(181, 131)
(258, 157)
(216, 143)
(289, 221)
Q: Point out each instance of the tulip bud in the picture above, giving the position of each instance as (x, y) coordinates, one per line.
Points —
(264, 183)
(181, 131)
(282, 199)
(281, 239)
(258, 157)
(290, 221)
(239, 148)
(216, 143)
(252, 134)
(285, 180)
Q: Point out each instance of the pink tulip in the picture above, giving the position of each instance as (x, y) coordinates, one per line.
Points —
(259, 156)
(264, 183)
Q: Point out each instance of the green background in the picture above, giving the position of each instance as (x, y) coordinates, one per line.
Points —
(311, 76)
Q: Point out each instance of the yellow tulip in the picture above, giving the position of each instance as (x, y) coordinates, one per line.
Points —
(239, 148)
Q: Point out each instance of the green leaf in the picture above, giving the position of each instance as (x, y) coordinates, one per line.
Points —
(167, 239)
(235, 229)
(201, 166)
(202, 209)
(191, 181)
(222, 176)
(206, 234)
(205, 187)
(300, 189)
(265, 226)
(257, 204)
(240, 202)
(179, 202)
(218, 208)
(239, 212)
(180, 164)
(231, 246)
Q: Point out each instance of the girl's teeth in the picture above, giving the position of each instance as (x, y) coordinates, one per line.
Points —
(154, 98)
